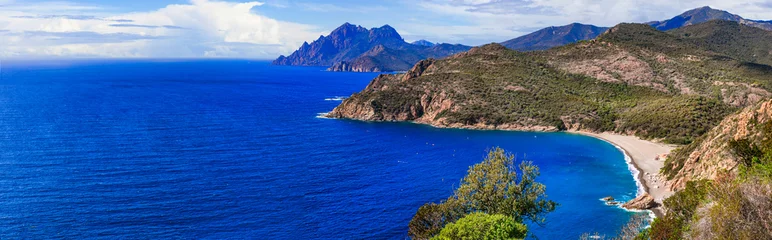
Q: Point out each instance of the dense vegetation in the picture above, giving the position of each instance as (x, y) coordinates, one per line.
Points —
(731, 206)
(483, 227)
(677, 120)
(733, 39)
(505, 192)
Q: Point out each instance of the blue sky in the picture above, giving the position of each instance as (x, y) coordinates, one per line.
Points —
(265, 29)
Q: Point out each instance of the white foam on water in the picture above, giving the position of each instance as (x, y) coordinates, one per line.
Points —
(638, 183)
(336, 98)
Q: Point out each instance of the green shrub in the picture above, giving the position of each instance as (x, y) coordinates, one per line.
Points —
(483, 227)
(681, 208)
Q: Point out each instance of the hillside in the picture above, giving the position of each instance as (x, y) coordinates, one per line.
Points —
(355, 48)
(639, 55)
(554, 36)
(705, 14)
(733, 39)
(713, 153)
(724, 182)
(633, 79)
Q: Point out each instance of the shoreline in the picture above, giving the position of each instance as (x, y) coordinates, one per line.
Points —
(643, 155)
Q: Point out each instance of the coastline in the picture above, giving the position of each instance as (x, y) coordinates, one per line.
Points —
(644, 158)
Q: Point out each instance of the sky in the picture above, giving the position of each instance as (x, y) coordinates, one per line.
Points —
(266, 29)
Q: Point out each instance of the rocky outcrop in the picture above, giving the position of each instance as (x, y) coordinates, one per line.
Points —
(711, 156)
(357, 66)
(408, 97)
(643, 202)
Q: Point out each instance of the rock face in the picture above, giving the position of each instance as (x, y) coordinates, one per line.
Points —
(554, 36)
(643, 202)
(357, 49)
(708, 157)
(705, 14)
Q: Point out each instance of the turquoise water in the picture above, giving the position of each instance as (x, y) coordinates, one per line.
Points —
(234, 149)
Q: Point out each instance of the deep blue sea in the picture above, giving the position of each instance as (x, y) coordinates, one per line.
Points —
(119, 149)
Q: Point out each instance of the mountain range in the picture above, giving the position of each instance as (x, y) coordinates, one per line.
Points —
(558, 36)
(357, 49)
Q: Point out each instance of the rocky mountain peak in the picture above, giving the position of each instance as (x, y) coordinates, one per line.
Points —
(383, 33)
(424, 43)
(347, 29)
(705, 14)
(554, 36)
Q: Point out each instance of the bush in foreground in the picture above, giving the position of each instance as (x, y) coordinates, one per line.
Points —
(483, 227)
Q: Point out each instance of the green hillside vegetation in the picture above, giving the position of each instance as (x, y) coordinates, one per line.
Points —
(733, 39)
(678, 120)
(640, 55)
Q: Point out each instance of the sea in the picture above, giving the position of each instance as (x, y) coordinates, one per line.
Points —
(236, 149)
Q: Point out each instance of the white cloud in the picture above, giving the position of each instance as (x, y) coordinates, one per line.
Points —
(326, 7)
(201, 28)
(219, 28)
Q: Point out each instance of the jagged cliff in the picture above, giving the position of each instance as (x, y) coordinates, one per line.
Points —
(711, 155)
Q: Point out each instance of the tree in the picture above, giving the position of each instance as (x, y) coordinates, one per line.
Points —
(496, 186)
(483, 227)
(430, 219)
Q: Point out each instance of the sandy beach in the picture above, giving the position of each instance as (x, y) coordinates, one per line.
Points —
(644, 158)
